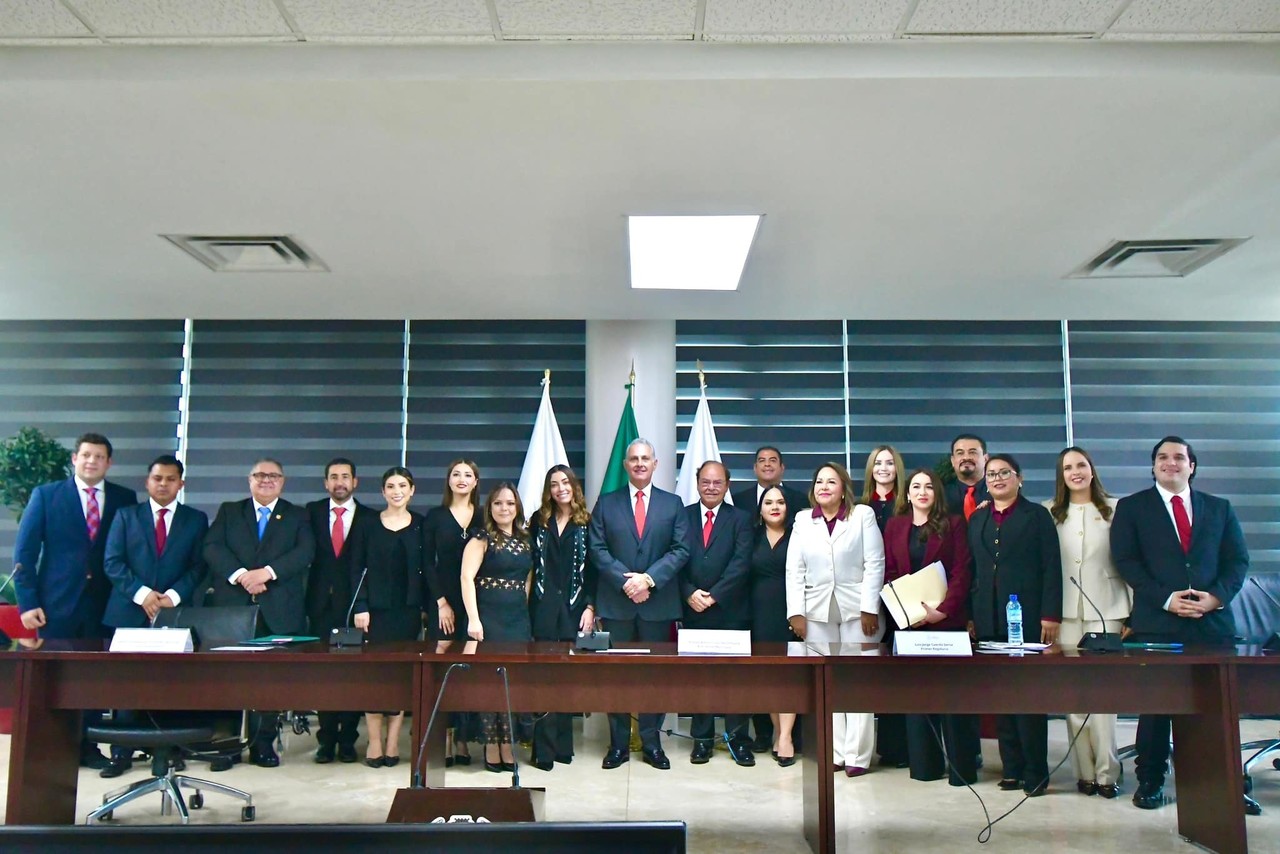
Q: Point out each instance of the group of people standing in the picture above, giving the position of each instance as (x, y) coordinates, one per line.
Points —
(1163, 564)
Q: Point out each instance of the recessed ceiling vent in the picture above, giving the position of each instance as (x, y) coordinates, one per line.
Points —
(249, 253)
(1154, 259)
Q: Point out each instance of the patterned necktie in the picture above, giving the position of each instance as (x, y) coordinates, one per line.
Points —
(92, 514)
(337, 535)
(162, 534)
(706, 528)
(264, 513)
(640, 514)
(1181, 522)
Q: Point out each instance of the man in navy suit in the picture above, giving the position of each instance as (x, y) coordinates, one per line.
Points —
(62, 590)
(329, 594)
(1184, 555)
(715, 590)
(637, 543)
(259, 550)
(153, 560)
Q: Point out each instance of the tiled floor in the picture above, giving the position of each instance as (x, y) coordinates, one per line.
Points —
(728, 808)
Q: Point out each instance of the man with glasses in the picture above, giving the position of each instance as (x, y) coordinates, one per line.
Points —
(716, 593)
(259, 551)
(968, 491)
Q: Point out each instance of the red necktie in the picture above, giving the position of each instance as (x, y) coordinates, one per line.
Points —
(162, 534)
(1182, 523)
(92, 515)
(706, 528)
(337, 536)
(970, 503)
(639, 514)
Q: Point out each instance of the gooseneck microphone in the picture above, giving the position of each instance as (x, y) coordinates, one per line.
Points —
(1102, 641)
(347, 635)
(511, 728)
(418, 781)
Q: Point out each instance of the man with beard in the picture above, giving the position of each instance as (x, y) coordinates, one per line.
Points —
(969, 460)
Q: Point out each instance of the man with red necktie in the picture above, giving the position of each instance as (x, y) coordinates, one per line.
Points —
(968, 491)
(1183, 553)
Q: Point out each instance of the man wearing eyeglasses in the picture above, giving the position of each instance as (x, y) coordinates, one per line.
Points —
(259, 550)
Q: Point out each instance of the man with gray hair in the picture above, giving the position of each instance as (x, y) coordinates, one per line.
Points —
(637, 544)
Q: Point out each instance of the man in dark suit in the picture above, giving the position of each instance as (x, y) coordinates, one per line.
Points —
(637, 543)
(259, 551)
(969, 461)
(769, 470)
(329, 593)
(1184, 555)
(153, 560)
(62, 590)
(715, 590)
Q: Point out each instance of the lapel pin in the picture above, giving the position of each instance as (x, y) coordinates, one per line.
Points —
(278, 517)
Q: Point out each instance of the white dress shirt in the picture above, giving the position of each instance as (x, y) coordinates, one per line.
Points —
(144, 591)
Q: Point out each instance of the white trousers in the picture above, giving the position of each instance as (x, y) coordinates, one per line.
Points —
(1094, 756)
(853, 736)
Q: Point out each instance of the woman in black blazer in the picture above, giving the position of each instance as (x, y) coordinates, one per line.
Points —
(562, 601)
(1015, 552)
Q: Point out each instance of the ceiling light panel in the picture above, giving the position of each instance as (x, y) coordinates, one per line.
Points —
(689, 253)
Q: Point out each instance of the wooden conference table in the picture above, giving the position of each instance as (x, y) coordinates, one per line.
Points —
(1206, 692)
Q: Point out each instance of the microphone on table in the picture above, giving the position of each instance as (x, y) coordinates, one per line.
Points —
(348, 635)
(515, 763)
(418, 781)
(1102, 641)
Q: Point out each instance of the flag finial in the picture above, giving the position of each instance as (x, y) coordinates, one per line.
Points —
(546, 376)
(702, 377)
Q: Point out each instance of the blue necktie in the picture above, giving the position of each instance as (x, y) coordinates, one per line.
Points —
(264, 513)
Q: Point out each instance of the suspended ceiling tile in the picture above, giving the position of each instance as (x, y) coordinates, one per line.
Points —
(183, 18)
(39, 19)
(1011, 16)
(389, 17)
(767, 17)
(1200, 16)
(597, 18)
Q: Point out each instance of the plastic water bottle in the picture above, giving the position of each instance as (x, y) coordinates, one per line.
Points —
(1013, 617)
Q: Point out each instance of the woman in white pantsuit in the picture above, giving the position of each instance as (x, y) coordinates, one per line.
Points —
(835, 568)
(1082, 511)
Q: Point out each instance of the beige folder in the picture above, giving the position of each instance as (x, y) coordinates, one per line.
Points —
(903, 596)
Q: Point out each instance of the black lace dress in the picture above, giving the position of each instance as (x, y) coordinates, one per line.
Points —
(503, 606)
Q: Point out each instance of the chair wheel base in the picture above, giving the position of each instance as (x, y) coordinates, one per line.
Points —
(248, 813)
(1252, 807)
(107, 816)
(196, 801)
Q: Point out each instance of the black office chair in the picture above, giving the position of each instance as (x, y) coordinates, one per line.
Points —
(1257, 614)
(168, 735)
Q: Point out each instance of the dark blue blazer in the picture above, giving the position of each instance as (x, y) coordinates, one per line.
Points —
(615, 549)
(1149, 556)
(131, 561)
(60, 570)
(721, 568)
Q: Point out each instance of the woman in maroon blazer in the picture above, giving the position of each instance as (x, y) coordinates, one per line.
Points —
(920, 534)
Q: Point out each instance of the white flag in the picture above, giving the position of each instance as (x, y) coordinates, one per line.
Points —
(702, 446)
(546, 449)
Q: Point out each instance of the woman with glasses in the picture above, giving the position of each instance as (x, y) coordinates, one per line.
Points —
(835, 567)
(1015, 553)
(1082, 511)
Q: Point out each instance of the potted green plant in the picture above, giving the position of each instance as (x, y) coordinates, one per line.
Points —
(28, 459)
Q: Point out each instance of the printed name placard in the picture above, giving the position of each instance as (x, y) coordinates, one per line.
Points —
(931, 643)
(713, 642)
(152, 640)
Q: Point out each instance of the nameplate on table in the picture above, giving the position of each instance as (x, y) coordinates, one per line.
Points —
(931, 643)
(152, 640)
(713, 642)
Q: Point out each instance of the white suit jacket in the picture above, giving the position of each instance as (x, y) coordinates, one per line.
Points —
(848, 564)
(1085, 539)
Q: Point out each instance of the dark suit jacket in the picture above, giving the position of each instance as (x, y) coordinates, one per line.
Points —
(131, 561)
(955, 490)
(745, 499)
(58, 568)
(1027, 561)
(1149, 556)
(615, 549)
(952, 549)
(287, 546)
(722, 568)
(329, 578)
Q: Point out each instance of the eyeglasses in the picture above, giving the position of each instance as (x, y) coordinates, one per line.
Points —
(711, 484)
(266, 476)
(1003, 474)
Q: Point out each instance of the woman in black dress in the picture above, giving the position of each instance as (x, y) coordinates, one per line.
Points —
(562, 601)
(445, 533)
(769, 599)
(387, 555)
(497, 570)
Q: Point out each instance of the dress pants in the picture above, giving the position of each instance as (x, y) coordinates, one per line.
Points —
(1024, 748)
(1094, 755)
(853, 736)
(636, 629)
(891, 730)
(337, 729)
(960, 735)
(553, 736)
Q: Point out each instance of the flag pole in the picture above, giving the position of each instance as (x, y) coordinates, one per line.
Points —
(631, 387)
